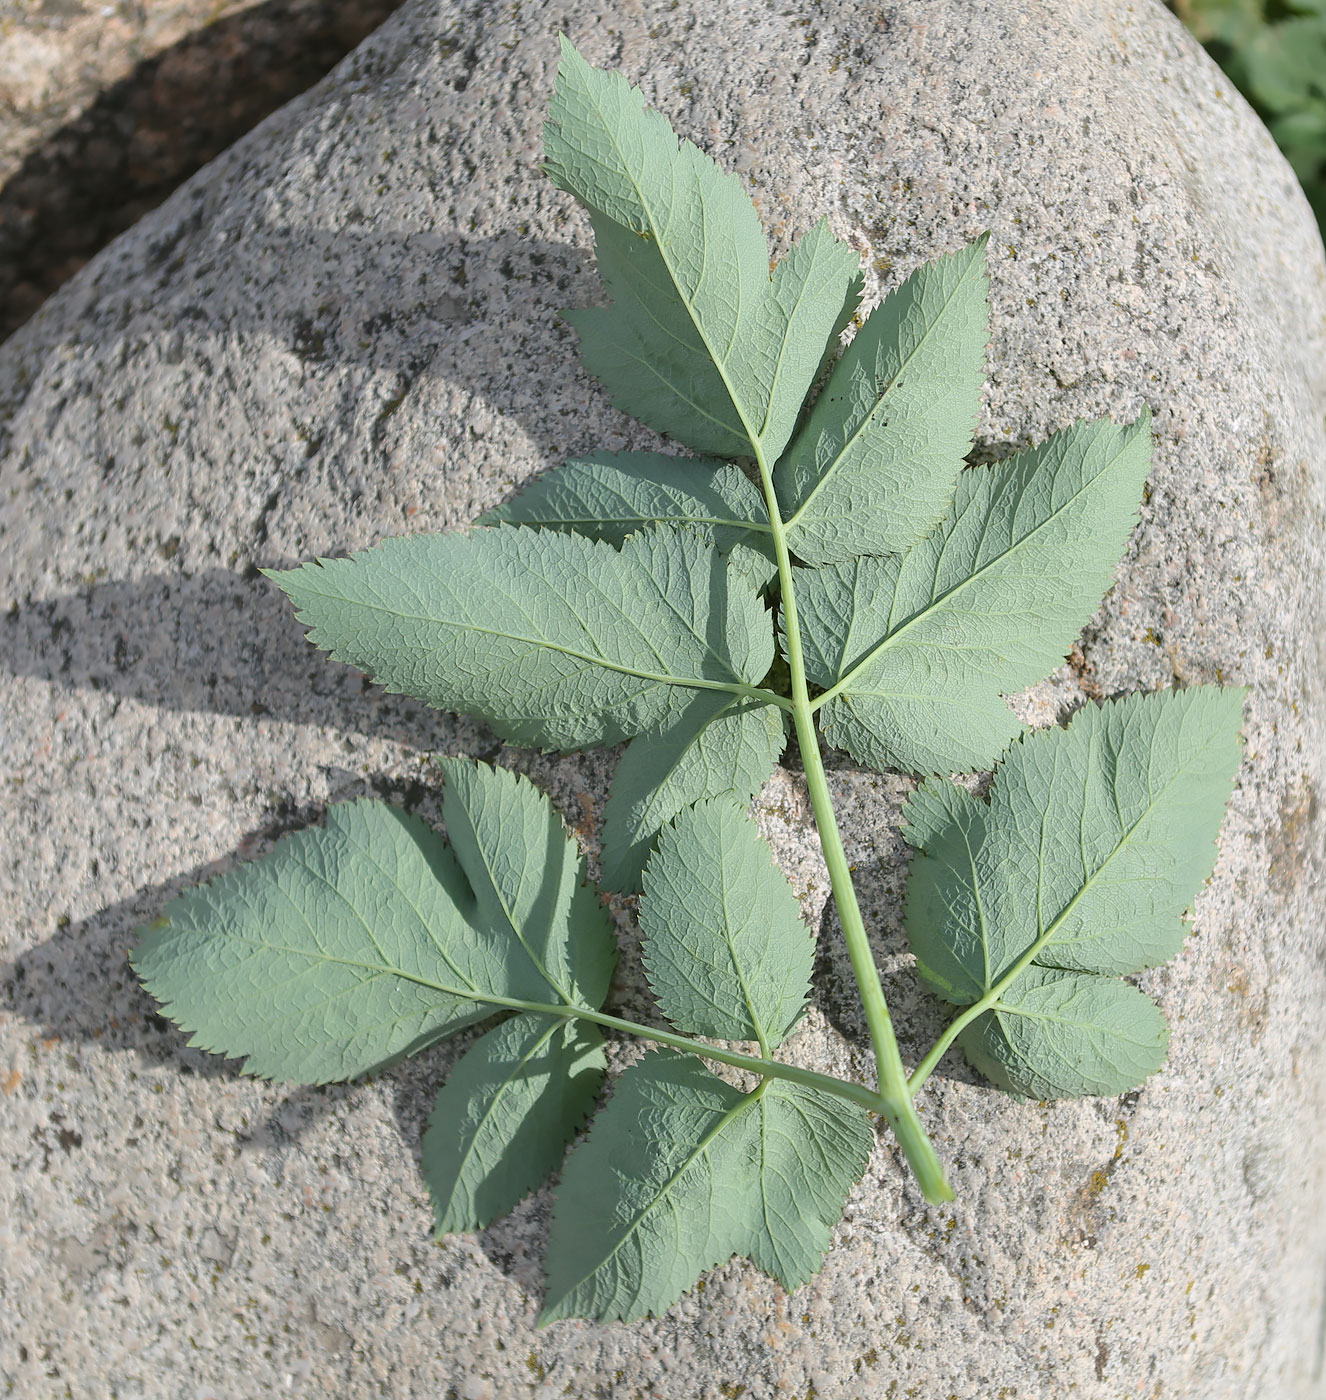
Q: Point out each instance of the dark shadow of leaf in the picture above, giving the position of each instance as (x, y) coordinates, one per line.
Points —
(217, 643)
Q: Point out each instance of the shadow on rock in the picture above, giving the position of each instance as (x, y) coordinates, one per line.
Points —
(146, 134)
(78, 986)
(396, 301)
(216, 642)
(918, 1018)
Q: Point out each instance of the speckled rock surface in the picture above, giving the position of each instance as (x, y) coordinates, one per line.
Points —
(106, 108)
(344, 329)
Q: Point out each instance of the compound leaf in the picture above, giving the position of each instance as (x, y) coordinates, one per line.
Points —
(1094, 841)
(1061, 1035)
(700, 341)
(681, 1171)
(352, 945)
(720, 744)
(632, 609)
(552, 638)
(502, 1121)
(726, 950)
(875, 465)
(916, 652)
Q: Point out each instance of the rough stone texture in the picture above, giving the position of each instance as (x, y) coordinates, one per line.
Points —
(106, 108)
(344, 329)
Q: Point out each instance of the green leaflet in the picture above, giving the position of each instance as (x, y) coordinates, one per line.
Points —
(610, 495)
(350, 946)
(502, 1121)
(874, 467)
(1060, 1035)
(1065, 854)
(529, 881)
(552, 638)
(917, 652)
(700, 341)
(721, 744)
(1093, 843)
(680, 1171)
(726, 949)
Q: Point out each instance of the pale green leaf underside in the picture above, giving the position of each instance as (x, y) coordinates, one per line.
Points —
(529, 878)
(726, 950)
(610, 495)
(349, 946)
(721, 744)
(339, 951)
(681, 1171)
(1061, 1035)
(918, 651)
(501, 1123)
(1094, 841)
(552, 638)
(700, 341)
(874, 467)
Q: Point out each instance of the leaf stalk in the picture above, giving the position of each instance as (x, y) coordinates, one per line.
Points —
(894, 1100)
(764, 1066)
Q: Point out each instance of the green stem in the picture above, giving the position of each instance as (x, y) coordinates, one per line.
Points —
(764, 1066)
(894, 1100)
(757, 1064)
(940, 1048)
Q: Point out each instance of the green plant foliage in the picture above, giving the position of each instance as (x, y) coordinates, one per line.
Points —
(278, 962)
(638, 596)
(611, 495)
(352, 945)
(700, 341)
(1059, 1035)
(1090, 848)
(726, 949)
(874, 468)
(1275, 51)
(552, 638)
(683, 1170)
(529, 882)
(502, 1120)
(916, 651)
(722, 744)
